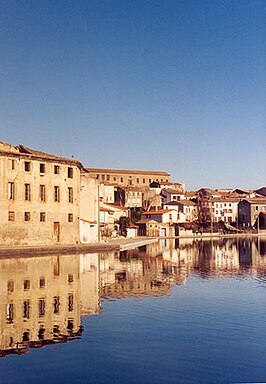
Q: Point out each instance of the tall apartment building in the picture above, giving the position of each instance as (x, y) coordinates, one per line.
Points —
(39, 197)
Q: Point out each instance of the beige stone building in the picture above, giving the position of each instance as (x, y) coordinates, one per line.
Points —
(128, 178)
(39, 197)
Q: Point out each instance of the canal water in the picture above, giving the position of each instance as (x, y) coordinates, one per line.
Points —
(175, 311)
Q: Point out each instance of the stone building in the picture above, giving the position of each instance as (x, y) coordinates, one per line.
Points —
(128, 178)
(39, 197)
(249, 210)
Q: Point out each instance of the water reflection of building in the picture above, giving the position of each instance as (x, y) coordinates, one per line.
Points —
(42, 299)
(39, 301)
(132, 274)
(89, 284)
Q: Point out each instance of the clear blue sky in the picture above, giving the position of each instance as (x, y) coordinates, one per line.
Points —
(169, 85)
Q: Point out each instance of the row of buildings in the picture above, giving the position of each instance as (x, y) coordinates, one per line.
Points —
(47, 199)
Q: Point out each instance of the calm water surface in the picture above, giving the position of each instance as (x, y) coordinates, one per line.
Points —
(170, 312)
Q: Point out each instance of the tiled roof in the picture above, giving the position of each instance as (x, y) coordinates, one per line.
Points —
(24, 151)
(159, 212)
(145, 221)
(126, 171)
(46, 156)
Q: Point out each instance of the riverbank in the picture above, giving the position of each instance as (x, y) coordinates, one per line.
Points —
(114, 245)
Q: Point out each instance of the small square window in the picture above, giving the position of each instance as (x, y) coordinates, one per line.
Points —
(42, 216)
(56, 169)
(11, 216)
(27, 216)
(42, 168)
(26, 285)
(70, 278)
(70, 217)
(70, 172)
(27, 166)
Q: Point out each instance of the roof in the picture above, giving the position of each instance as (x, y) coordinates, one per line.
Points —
(226, 199)
(126, 171)
(88, 221)
(159, 212)
(145, 221)
(33, 154)
(186, 202)
(255, 200)
(120, 207)
(173, 191)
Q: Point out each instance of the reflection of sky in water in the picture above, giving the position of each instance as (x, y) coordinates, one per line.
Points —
(182, 313)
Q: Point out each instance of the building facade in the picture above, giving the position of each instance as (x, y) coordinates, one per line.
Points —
(39, 197)
(128, 178)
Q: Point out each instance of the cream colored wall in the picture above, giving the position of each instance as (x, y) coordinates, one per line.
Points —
(21, 232)
(89, 208)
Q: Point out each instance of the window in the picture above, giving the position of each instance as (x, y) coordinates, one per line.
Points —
(10, 313)
(149, 180)
(70, 279)
(108, 177)
(121, 179)
(257, 208)
(56, 304)
(114, 178)
(70, 217)
(144, 181)
(26, 309)
(27, 192)
(26, 285)
(10, 286)
(27, 166)
(70, 325)
(70, 195)
(97, 177)
(42, 192)
(137, 180)
(56, 194)
(26, 216)
(42, 282)
(41, 333)
(56, 169)
(42, 216)
(70, 302)
(11, 216)
(11, 191)
(42, 168)
(70, 172)
(41, 307)
(103, 177)
(12, 163)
